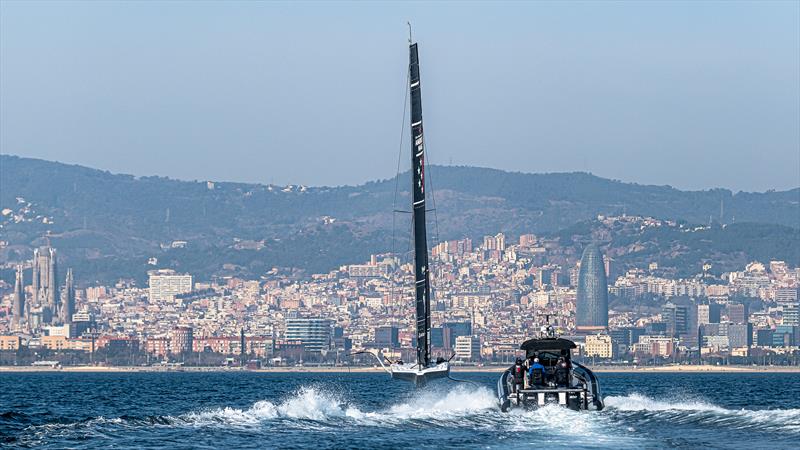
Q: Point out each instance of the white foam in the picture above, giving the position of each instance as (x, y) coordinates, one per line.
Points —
(638, 402)
(310, 403)
(689, 411)
(437, 404)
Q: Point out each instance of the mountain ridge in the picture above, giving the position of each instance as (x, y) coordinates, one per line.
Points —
(94, 215)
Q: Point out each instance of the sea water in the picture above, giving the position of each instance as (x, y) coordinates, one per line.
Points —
(368, 410)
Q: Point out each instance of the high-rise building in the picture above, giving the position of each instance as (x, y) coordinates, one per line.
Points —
(676, 317)
(592, 298)
(626, 336)
(791, 315)
(387, 337)
(452, 330)
(181, 340)
(68, 302)
(738, 313)
(468, 348)
(740, 335)
(314, 333)
(708, 313)
(496, 242)
(165, 284)
(19, 298)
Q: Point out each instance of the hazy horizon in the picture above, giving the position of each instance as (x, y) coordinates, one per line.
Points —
(220, 180)
(691, 95)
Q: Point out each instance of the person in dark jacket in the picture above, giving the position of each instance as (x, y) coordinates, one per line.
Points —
(518, 372)
(562, 372)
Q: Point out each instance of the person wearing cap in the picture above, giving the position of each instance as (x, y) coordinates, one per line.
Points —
(537, 372)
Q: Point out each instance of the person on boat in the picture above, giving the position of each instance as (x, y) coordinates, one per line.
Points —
(562, 372)
(537, 373)
(519, 375)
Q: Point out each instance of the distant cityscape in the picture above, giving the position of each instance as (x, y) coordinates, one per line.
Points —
(488, 297)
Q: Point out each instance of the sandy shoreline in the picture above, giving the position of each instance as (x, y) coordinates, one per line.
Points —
(484, 369)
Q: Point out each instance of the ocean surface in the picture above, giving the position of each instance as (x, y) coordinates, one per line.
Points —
(327, 410)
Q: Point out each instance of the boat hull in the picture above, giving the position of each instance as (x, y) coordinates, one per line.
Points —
(420, 377)
(582, 394)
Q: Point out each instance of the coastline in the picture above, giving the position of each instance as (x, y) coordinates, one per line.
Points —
(461, 369)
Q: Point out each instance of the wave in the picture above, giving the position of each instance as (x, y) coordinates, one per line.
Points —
(699, 412)
(467, 408)
(313, 404)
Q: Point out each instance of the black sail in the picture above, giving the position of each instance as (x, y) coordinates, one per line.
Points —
(422, 277)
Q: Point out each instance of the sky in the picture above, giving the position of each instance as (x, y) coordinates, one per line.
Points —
(692, 95)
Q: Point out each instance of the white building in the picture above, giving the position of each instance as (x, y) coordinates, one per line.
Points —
(468, 348)
(314, 333)
(599, 345)
(165, 284)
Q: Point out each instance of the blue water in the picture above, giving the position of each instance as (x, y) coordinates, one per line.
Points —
(263, 410)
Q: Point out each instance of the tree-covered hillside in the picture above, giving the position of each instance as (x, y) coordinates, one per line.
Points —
(110, 224)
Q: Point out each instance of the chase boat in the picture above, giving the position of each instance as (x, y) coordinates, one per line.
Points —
(556, 379)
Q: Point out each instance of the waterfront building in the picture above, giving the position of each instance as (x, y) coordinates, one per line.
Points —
(599, 345)
(10, 343)
(313, 333)
(157, 346)
(655, 345)
(592, 296)
(740, 335)
(468, 348)
(181, 340)
(677, 318)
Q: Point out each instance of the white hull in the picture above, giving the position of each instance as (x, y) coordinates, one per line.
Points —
(418, 376)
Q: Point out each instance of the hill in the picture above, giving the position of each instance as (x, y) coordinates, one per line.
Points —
(110, 224)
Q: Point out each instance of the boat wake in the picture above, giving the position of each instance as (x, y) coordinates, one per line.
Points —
(313, 404)
(637, 408)
(472, 410)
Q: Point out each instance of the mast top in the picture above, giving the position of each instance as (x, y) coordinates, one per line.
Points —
(409, 32)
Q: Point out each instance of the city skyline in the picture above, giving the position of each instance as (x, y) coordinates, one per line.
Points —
(222, 225)
(486, 297)
(681, 94)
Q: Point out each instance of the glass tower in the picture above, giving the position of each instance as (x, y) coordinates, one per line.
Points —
(592, 301)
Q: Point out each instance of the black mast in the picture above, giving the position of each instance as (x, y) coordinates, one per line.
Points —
(421, 278)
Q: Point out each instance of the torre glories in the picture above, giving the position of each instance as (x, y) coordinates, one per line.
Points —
(592, 301)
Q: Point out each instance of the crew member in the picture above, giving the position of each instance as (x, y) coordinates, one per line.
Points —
(519, 375)
(562, 372)
(537, 373)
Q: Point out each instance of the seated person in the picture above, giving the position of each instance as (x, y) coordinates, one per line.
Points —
(562, 372)
(537, 373)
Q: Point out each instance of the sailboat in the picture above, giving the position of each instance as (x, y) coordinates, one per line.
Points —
(425, 368)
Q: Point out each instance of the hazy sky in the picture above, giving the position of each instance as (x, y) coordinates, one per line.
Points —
(694, 95)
